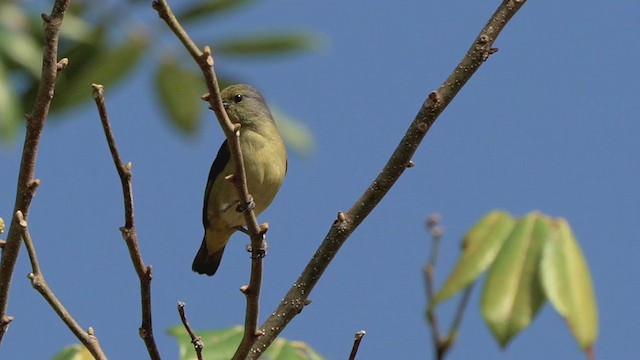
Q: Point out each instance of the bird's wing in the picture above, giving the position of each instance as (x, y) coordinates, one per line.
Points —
(216, 168)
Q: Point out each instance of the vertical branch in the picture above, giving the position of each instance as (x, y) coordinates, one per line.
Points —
(87, 338)
(295, 300)
(196, 340)
(129, 233)
(205, 61)
(27, 184)
(436, 231)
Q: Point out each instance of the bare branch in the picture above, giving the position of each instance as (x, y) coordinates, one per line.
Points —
(35, 123)
(87, 338)
(129, 233)
(433, 106)
(205, 61)
(196, 340)
(435, 229)
(356, 344)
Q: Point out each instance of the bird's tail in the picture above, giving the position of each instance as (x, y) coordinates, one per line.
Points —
(206, 263)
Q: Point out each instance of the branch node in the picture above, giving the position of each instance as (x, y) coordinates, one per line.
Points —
(90, 331)
(236, 129)
(207, 55)
(205, 96)
(46, 18)
(2, 243)
(21, 219)
(62, 64)
(34, 185)
(98, 91)
(307, 302)
(483, 39)
(410, 164)
(422, 127)
(259, 332)
(244, 289)
(434, 96)
(341, 217)
(264, 227)
(246, 207)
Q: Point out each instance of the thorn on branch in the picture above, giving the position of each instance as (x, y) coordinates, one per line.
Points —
(205, 96)
(244, 289)
(410, 164)
(46, 18)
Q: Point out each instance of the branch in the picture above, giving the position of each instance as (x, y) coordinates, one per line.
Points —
(87, 338)
(437, 101)
(436, 231)
(27, 184)
(205, 61)
(129, 233)
(356, 344)
(196, 340)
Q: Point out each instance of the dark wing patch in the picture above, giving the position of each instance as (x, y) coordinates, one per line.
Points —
(216, 168)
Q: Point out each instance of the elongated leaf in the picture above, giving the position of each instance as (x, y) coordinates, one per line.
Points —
(23, 50)
(10, 109)
(297, 136)
(179, 91)
(222, 344)
(107, 68)
(480, 247)
(267, 44)
(512, 295)
(567, 283)
(209, 8)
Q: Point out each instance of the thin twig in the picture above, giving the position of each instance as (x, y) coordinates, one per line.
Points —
(87, 338)
(356, 344)
(433, 106)
(27, 184)
(441, 343)
(205, 61)
(436, 231)
(129, 233)
(196, 340)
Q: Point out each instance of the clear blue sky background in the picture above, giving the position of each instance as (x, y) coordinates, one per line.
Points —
(550, 122)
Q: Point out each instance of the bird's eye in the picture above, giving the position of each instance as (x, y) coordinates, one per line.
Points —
(237, 98)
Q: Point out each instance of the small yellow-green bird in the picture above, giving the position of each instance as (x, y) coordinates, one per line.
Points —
(265, 161)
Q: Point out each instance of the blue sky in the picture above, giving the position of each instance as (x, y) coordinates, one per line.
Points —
(548, 123)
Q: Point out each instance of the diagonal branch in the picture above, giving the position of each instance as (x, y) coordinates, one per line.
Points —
(27, 184)
(87, 338)
(204, 59)
(129, 233)
(196, 340)
(434, 105)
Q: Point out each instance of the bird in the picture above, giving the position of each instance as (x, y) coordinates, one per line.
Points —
(265, 162)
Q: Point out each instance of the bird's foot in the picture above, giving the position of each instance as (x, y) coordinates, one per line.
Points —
(248, 206)
(260, 253)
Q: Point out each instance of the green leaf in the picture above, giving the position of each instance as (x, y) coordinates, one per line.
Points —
(22, 49)
(74, 352)
(512, 294)
(222, 344)
(109, 65)
(180, 91)
(295, 133)
(480, 246)
(209, 9)
(10, 107)
(267, 44)
(567, 283)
